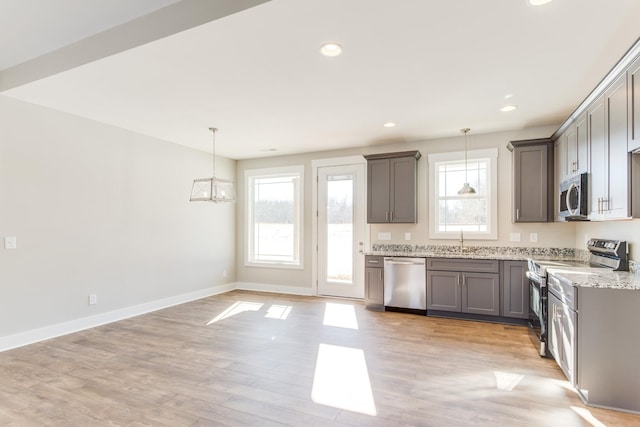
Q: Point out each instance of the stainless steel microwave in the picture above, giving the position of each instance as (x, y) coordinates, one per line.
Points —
(574, 197)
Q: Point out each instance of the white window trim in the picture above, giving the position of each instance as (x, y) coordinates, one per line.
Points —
(248, 219)
(492, 193)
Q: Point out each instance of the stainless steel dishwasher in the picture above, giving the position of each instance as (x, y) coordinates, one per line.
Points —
(405, 283)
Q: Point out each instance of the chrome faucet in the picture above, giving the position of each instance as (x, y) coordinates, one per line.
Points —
(461, 241)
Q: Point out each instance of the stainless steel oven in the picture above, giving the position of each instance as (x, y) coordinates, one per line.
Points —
(603, 253)
(537, 309)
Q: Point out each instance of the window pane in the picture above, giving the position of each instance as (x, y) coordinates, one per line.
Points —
(467, 213)
(340, 228)
(275, 214)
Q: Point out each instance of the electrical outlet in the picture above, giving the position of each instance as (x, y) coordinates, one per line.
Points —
(10, 242)
(514, 237)
(407, 236)
(224, 273)
(93, 299)
(533, 237)
(384, 236)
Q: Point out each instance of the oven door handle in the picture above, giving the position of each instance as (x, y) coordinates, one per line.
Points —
(535, 278)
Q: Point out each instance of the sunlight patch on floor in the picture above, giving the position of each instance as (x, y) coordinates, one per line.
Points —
(340, 315)
(506, 380)
(278, 312)
(587, 416)
(236, 308)
(341, 380)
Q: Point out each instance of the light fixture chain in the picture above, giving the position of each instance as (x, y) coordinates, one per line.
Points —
(214, 130)
(466, 165)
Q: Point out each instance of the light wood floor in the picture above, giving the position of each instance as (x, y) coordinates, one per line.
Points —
(176, 367)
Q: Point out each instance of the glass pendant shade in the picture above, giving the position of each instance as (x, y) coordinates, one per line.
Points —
(213, 189)
(466, 189)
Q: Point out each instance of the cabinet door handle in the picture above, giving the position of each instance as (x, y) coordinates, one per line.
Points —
(373, 262)
(464, 281)
(386, 216)
(380, 274)
(517, 213)
(458, 280)
(391, 216)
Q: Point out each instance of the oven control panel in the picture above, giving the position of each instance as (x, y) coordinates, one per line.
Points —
(613, 247)
(609, 253)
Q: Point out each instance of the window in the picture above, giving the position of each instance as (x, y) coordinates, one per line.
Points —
(473, 215)
(274, 217)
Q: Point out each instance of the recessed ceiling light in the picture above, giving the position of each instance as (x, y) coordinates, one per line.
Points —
(508, 96)
(508, 108)
(538, 2)
(389, 125)
(331, 49)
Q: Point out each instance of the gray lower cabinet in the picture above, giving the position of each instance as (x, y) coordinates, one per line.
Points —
(515, 289)
(608, 348)
(562, 335)
(443, 291)
(374, 282)
(481, 293)
(452, 285)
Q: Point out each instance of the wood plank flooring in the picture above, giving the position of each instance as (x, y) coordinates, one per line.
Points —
(258, 365)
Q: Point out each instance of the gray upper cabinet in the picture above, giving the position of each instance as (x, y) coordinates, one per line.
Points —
(391, 187)
(577, 147)
(617, 205)
(533, 184)
(634, 105)
(609, 172)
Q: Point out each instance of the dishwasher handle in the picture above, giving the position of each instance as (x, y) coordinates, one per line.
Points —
(405, 261)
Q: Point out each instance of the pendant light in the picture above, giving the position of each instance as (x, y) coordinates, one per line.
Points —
(213, 189)
(466, 188)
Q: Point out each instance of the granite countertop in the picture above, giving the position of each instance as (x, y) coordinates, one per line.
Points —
(585, 277)
(598, 278)
(463, 255)
(476, 252)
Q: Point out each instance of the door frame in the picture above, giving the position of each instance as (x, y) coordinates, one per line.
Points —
(320, 163)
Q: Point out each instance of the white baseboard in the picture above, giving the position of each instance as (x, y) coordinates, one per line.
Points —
(278, 289)
(52, 331)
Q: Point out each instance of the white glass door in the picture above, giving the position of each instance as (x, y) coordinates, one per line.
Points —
(341, 226)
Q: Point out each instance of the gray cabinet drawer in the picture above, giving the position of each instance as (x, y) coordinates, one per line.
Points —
(458, 264)
(373, 261)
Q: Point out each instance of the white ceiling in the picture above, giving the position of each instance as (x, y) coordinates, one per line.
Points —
(433, 67)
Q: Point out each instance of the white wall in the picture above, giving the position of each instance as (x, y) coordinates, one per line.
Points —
(549, 234)
(100, 210)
